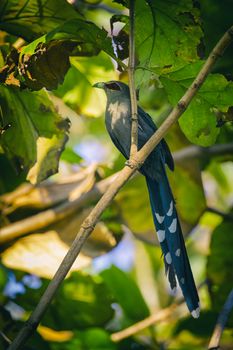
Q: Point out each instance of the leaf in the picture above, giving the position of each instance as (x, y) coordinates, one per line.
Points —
(167, 34)
(30, 19)
(82, 301)
(216, 20)
(46, 248)
(47, 66)
(126, 292)
(77, 90)
(199, 121)
(203, 329)
(219, 265)
(38, 133)
(135, 206)
(70, 156)
(49, 194)
(45, 61)
(89, 339)
(8, 178)
(189, 194)
(3, 278)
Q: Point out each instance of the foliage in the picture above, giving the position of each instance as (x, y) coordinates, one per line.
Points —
(51, 53)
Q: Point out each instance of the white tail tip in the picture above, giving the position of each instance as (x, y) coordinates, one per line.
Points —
(196, 313)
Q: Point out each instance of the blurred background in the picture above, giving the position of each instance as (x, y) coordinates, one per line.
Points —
(118, 278)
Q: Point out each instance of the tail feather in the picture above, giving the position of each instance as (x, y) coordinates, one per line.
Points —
(172, 242)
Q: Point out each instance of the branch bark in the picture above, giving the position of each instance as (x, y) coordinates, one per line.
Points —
(221, 322)
(61, 211)
(136, 161)
(131, 68)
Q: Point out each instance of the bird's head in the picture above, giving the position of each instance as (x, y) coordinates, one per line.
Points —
(114, 89)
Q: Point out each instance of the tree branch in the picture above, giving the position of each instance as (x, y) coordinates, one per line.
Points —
(61, 211)
(49, 216)
(160, 315)
(131, 68)
(204, 152)
(221, 322)
(226, 216)
(91, 220)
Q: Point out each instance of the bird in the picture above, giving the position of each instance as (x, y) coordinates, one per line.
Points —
(118, 122)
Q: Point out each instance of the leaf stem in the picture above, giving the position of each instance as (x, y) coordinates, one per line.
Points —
(125, 174)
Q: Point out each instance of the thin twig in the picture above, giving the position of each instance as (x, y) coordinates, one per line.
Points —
(6, 339)
(226, 216)
(159, 316)
(61, 211)
(91, 220)
(131, 68)
(221, 322)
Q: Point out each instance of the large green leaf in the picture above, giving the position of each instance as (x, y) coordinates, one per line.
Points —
(30, 19)
(167, 33)
(219, 264)
(199, 120)
(37, 134)
(45, 61)
(77, 90)
(82, 301)
(126, 293)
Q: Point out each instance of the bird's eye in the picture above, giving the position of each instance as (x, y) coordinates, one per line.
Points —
(113, 86)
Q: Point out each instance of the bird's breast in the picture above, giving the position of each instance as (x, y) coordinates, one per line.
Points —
(119, 115)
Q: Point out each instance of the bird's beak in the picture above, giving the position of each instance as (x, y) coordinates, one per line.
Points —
(99, 85)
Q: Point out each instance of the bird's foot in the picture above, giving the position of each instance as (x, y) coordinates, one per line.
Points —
(133, 164)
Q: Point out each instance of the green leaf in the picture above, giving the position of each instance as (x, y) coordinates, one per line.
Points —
(186, 181)
(134, 211)
(37, 135)
(47, 66)
(3, 278)
(199, 120)
(77, 90)
(90, 339)
(201, 328)
(219, 264)
(30, 19)
(126, 292)
(167, 33)
(45, 61)
(82, 301)
(9, 179)
(70, 156)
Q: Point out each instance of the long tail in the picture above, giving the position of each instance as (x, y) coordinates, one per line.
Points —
(172, 242)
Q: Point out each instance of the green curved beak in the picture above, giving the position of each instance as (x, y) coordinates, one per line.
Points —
(99, 85)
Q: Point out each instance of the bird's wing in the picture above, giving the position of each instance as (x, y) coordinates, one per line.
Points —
(167, 155)
(118, 145)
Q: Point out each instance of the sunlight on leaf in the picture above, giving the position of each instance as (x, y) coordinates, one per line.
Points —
(38, 133)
